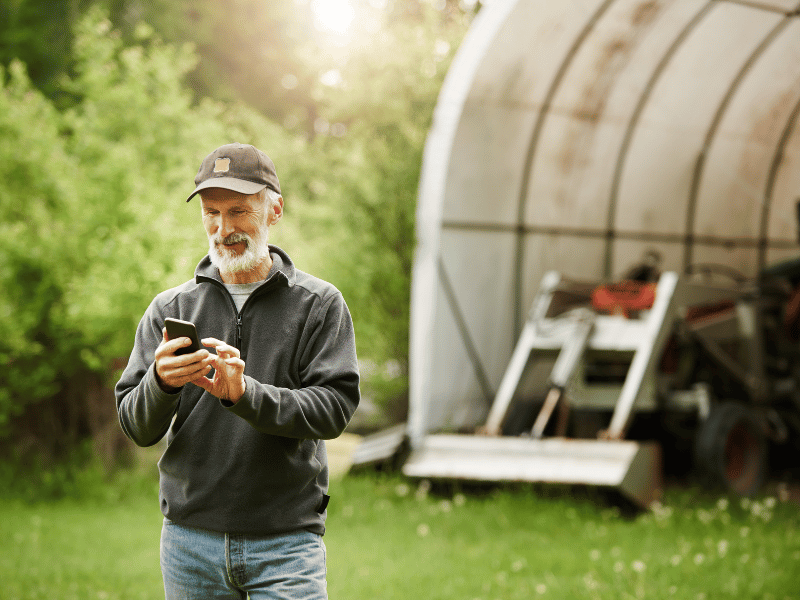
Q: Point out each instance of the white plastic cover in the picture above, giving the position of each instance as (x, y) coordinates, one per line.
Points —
(577, 135)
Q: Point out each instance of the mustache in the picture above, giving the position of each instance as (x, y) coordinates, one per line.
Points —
(233, 238)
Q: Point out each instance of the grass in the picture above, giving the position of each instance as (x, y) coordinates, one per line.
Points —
(391, 538)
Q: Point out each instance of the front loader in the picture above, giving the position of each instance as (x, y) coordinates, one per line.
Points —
(607, 382)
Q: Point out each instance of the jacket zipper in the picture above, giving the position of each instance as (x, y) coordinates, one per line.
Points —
(237, 342)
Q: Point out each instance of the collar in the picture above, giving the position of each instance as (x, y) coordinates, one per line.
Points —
(282, 268)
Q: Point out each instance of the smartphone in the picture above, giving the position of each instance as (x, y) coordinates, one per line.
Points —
(177, 328)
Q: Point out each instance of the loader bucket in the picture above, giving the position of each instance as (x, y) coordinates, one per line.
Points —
(633, 468)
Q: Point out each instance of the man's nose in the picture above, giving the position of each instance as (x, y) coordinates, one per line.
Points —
(226, 227)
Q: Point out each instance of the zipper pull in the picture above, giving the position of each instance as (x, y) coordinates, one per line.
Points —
(238, 331)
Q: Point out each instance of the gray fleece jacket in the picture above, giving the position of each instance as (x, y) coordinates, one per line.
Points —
(258, 466)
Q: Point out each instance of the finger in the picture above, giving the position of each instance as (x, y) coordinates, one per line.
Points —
(203, 382)
(172, 346)
(184, 366)
(235, 362)
(221, 347)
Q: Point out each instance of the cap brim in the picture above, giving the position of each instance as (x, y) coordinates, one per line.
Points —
(228, 183)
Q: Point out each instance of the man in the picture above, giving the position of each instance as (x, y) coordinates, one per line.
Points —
(244, 477)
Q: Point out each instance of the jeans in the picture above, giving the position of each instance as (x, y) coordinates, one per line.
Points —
(197, 563)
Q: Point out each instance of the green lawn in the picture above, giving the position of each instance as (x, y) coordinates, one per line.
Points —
(393, 538)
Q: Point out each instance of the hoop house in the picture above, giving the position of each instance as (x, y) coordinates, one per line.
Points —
(575, 136)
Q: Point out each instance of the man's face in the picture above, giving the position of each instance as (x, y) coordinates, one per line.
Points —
(237, 227)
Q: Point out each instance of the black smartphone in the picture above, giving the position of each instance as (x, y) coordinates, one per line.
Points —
(177, 328)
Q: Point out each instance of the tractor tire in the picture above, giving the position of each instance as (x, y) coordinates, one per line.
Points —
(731, 449)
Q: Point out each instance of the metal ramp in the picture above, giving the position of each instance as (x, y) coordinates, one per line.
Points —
(631, 467)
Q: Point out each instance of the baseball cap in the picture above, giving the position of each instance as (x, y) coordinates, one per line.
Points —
(238, 167)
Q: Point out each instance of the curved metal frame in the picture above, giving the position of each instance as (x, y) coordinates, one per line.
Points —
(777, 158)
(626, 142)
(530, 155)
(697, 175)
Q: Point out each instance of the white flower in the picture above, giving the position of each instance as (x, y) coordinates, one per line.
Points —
(699, 558)
(722, 547)
(541, 588)
(675, 560)
(638, 566)
(402, 489)
(423, 530)
(594, 554)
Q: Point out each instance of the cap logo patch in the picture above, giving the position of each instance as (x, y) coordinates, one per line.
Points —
(222, 165)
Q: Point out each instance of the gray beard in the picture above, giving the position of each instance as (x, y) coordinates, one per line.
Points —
(229, 262)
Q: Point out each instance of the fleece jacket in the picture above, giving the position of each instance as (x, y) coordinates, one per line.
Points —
(258, 466)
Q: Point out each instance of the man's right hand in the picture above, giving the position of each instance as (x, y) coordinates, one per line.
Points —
(173, 372)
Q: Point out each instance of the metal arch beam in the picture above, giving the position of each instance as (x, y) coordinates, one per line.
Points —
(769, 188)
(633, 121)
(759, 6)
(697, 175)
(530, 155)
(638, 236)
(463, 330)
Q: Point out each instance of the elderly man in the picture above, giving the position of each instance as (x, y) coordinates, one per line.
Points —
(244, 477)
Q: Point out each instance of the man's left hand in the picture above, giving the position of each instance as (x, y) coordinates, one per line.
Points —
(228, 381)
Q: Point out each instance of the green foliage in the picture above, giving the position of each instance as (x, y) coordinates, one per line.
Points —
(94, 223)
(94, 220)
(374, 117)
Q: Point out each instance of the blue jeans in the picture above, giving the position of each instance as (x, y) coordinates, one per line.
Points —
(197, 563)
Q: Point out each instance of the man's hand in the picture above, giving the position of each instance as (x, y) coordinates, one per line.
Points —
(173, 372)
(228, 381)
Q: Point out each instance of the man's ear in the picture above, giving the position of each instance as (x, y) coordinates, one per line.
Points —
(277, 210)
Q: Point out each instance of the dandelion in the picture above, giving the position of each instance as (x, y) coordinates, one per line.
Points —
(541, 588)
(423, 530)
(705, 516)
(722, 547)
(459, 499)
(518, 565)
(744, 532)
(445, 506)
(590, 582)
(675, 560)
(619, 567)
(402, 490)
(722, 504)
(673, 590)
(770, 502)
(699, 558)
(744, 559)
(745, 503)
(638, 566)
(594, 554)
